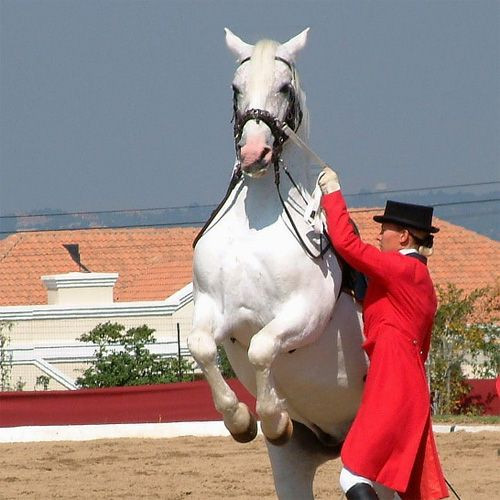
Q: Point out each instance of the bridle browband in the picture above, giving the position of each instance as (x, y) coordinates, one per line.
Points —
(293, 118)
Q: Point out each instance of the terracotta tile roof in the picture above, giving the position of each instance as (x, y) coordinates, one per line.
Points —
(155, 263)
(152, 263)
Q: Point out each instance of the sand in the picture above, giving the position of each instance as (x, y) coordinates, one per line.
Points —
(205, 468)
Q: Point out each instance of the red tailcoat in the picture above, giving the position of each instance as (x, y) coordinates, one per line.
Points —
(391, 438)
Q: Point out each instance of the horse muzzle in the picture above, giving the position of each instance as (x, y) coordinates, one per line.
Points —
(254, 132)
(255, 156)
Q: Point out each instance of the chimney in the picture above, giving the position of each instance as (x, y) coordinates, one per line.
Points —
(85, 288)
(74, 252)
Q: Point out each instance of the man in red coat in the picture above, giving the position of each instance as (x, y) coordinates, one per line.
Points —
(390, 446)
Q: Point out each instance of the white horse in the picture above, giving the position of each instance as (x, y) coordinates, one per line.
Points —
(262, 290)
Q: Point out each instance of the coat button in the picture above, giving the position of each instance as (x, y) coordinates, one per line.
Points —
(414, 342)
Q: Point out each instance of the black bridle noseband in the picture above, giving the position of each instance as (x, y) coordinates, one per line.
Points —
(293, 118)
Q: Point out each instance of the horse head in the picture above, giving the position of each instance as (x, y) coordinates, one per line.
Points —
(266, 94)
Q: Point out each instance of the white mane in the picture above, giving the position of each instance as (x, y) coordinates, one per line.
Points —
(262, 66)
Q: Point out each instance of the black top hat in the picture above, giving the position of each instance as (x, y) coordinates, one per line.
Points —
(408, 215)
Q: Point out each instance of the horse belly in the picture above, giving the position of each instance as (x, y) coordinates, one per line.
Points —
(321, 382)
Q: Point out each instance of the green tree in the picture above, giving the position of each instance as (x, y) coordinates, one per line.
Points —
(223, 363)
(122, 358)
(5, 356)
(6, 361)
(465, 334)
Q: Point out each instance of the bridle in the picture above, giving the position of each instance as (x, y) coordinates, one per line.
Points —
(293, 119)
(293, 116)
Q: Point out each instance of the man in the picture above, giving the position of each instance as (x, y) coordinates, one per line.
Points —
(390, 446)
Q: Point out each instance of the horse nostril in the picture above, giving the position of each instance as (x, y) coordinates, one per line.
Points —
(265, 151)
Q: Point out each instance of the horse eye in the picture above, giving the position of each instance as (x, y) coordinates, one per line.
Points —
(236, 90)
(285, 89)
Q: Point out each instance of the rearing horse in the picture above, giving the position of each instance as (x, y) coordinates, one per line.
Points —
(264, 288)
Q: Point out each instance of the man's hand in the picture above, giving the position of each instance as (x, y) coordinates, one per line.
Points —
(328, 181)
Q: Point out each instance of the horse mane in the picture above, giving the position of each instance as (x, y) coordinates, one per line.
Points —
(262, 61)
(261, 78)
(262, 74)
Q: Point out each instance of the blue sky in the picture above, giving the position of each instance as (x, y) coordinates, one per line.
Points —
(115, 104)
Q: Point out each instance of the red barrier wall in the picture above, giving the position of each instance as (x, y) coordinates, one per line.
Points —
(485, 392)
(181, 402)
(186, 401)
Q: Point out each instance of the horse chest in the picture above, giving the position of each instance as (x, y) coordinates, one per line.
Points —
(253, 276)
(259, 260)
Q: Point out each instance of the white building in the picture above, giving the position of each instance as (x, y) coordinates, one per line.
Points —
(136, 277)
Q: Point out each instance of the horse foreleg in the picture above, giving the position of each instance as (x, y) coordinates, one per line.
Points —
(264, 347)
(237, 418)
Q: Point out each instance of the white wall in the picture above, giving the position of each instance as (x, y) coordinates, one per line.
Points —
(44, 338)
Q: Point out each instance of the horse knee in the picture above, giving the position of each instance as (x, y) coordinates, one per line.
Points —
(202, 347)
(262, 351)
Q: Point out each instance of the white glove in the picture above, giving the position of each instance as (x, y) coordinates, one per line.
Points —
(328, 181)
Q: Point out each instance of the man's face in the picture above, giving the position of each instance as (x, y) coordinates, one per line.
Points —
(392, 237)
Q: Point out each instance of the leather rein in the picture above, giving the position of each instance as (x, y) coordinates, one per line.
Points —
(292, 121)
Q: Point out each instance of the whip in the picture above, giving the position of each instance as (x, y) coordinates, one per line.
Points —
(312, 213)
(297, 140)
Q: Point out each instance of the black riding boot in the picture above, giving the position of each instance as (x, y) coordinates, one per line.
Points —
(361, 491)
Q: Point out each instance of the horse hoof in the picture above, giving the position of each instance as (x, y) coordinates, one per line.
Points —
(284, 437)
(249, 434)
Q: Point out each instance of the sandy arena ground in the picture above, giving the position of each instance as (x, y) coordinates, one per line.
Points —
(204, 468)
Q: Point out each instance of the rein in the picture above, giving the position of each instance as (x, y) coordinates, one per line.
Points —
(235, 178)
(322, 251)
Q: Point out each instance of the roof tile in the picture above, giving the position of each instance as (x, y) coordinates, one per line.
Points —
(155, 263)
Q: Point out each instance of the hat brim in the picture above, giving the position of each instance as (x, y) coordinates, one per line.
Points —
(403, 222)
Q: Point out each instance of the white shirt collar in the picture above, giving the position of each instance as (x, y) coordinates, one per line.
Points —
(406, 251)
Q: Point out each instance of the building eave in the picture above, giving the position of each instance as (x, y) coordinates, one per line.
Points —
(117, 309)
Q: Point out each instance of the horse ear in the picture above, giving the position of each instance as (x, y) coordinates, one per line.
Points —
(237, 46)
(294, 45)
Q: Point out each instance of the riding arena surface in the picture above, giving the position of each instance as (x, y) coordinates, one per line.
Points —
(201, 468)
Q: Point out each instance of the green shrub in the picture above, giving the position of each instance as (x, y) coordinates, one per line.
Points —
(223, 363)
(122, 359)
(462, 338)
